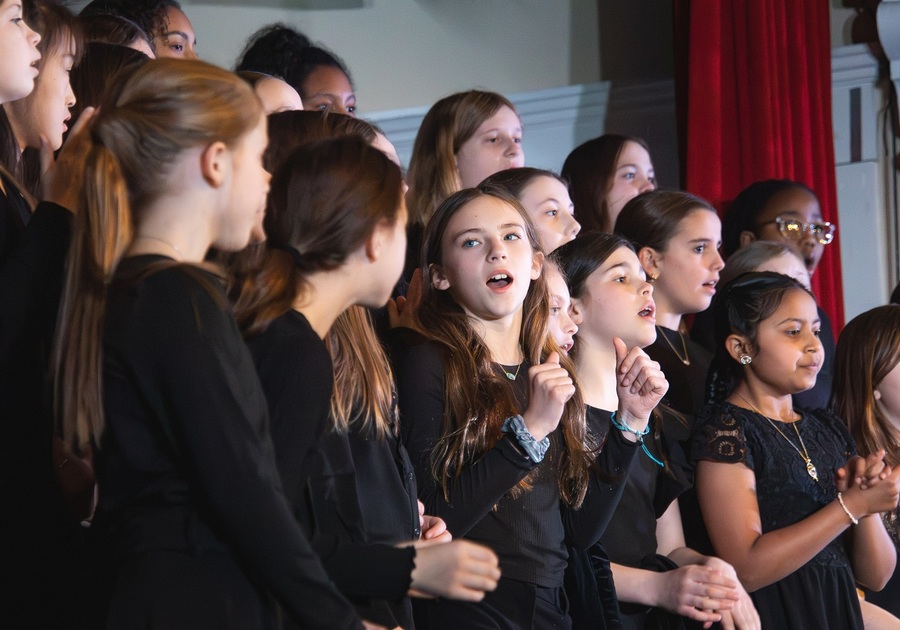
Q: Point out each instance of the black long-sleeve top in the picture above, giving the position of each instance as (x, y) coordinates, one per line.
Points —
(187, 462)
(318, 467)
(527, 532)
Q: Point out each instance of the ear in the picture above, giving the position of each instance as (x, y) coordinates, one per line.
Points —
(215, 164)
(375, 243)
(438, 278)
(650, 260)
(537, 265)
(576, 311)
(736, 345)
(747, 237)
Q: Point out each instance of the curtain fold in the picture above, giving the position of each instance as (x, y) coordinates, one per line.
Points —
(753, 81)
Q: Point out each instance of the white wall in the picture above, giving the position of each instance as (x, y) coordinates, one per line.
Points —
(408, 53)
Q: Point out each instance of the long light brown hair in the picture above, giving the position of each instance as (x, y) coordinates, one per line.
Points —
(433, 175)
(325, 199)
(166, 107)
(867, 351)
(477, 399)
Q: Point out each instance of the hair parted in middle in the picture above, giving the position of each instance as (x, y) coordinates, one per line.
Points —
(477, 399)
(433, 175)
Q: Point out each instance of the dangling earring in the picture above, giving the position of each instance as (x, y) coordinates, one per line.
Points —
(746, 359)
(652, 279)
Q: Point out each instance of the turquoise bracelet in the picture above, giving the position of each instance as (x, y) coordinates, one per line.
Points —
(638, 434)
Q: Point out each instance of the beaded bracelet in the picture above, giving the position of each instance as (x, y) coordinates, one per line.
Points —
(853, 519)
(621, 426)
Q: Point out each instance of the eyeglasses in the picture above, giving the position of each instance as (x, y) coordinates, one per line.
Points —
(793, 230)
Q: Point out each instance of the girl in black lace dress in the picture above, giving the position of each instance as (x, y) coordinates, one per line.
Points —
(773, 480)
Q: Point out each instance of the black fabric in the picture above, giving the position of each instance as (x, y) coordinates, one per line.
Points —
(821, 593)
(687, 383)
(630, 539)
(186, 465)
(526, 531)
(40, 543)
(514, 605)
(329, 495)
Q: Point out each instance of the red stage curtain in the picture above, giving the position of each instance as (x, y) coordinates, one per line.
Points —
(753, 79)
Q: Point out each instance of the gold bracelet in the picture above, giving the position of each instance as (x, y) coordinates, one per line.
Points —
(853, 519)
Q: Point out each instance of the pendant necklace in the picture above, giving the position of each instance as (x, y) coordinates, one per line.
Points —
(687, 359)
(810, 467)
(510, 375)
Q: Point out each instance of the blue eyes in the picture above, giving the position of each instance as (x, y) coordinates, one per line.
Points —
(474, 242)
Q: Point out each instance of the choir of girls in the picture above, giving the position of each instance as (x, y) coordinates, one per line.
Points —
(210, 419)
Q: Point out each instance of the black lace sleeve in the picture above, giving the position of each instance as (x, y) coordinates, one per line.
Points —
(719, 437)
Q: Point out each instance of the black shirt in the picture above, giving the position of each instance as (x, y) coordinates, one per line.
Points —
(318, 467)
(527, 532)
(187, 462)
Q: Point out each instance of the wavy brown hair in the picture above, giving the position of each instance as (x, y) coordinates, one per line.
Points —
(477, 399)
(433, 175)
(867, 351)
(165, 108)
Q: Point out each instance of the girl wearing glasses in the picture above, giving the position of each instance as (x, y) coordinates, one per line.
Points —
(785, 211)
(778, 210)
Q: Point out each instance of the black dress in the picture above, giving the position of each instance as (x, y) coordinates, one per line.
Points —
(344, 488)
(192, 519)
(528, 531)
(630, 539)
(687, 383)
(821, 593)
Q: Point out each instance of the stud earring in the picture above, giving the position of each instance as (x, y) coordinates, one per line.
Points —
(746, 359)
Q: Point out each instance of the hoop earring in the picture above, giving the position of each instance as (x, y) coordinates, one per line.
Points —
(746, 359)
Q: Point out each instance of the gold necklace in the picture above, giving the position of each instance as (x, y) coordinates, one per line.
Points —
(810, 467)
(509, 374)
(687, 359)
